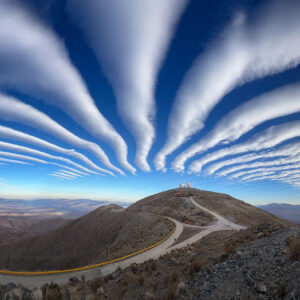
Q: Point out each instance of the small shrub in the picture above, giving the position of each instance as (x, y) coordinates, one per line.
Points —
(53, 292)
(119, 269)
(80, 287)
(229, 248)
(174, 276)
(181, 288)
(82, 279)
(153, 284)
(170, 293)
(196, 265)
(153, 266)
(141, 279)
(168, 256)
(126, 280)
(134, 268)
(282, 290)
(96, 283)
(294, 247)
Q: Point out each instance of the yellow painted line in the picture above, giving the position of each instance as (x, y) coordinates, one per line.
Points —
(86, 267)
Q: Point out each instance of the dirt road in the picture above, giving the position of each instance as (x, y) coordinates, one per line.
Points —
(31, 281)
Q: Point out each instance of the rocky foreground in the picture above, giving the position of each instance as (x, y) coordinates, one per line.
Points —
(263, 269)
(262, 262)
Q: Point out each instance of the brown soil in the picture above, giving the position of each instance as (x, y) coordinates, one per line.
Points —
(236, 210)
(13, 229)
(187, 233)
(176, 207)
(101, 235)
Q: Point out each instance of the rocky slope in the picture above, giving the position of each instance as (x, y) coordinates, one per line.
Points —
(13, 229)
(21, 219)
(235, 210)
(262, 269)
(106, 233)
(259, 263)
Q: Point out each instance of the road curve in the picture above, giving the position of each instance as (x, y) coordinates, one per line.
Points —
(161, 249)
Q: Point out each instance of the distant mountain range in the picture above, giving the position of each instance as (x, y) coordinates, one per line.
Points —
(64, 208)
(283, 210)
(23, 218)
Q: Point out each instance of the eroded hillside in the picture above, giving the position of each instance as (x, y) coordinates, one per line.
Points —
(106, 233)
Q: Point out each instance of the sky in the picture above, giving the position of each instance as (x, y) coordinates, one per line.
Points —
(117, 100)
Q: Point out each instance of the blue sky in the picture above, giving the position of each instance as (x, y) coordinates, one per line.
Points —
(116, 100)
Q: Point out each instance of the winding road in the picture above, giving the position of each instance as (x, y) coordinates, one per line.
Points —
(166, 246)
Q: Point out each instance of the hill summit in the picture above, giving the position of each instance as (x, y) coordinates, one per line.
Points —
(111, 231)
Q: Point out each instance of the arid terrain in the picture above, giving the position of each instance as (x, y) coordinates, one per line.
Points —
(13, 229)
(172, 204)
(260, 262)
(287, 211)
(106, 233)
(21, 219)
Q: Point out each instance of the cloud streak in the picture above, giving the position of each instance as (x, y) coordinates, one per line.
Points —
(239, 175)
(283, 161)
(288, 150)
(267, 138)
(16, 111)
(65, 175)
(61, 176)
(277, 103)
(271, 175)
(244, 52)
(130, 39)
(70, 173)
(14, 161)
(9, 133)
(15, 155)
(72, 169)
(9, 146)
(28, 46)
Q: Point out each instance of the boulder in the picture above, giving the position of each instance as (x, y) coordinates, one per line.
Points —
(100, 291)
(37, 294)
(181, 288)
(261, 288)
(149, 296)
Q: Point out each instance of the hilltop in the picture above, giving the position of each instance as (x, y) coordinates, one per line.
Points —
(173, 203)
(111, 231)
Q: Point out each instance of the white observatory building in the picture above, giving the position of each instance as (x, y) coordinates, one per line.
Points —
(183, 186)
